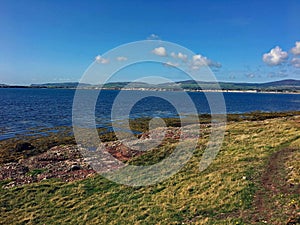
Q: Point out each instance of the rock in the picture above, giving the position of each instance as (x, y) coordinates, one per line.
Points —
(23, 146)
(125, 151)
(75, 167)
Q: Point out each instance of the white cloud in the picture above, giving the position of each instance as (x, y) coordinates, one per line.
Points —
(180, 55)
(296, 62)
(121, 58)
(199, 61)
(153, 37)
(160, 51)
(275, 57)
(100, 59)
(171, 64)
(296, 50)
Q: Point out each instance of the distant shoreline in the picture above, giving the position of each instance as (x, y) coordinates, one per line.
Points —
(288, 86)
(206, 90)
(156, 89)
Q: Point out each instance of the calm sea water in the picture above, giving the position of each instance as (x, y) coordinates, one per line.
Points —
(27, 111)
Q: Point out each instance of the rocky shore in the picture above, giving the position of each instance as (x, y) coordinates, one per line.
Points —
(62, 162)
(66, 162)
(26, 161)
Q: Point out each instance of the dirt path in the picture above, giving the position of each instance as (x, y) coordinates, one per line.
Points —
(270, 202)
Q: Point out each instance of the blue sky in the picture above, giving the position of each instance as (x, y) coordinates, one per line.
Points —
(56, 41)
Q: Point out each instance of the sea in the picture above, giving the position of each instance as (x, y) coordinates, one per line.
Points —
(26, 111)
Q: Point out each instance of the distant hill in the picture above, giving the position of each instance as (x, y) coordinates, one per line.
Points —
(61, 85)
(288, 82)
(126, 84)
(279, 86)
(282, 85)
(12, 86)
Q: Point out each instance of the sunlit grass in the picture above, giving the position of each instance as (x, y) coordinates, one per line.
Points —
(222, 194)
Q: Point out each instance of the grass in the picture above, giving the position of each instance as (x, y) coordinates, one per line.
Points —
(293, 167)
(224, 193)
(36, 172)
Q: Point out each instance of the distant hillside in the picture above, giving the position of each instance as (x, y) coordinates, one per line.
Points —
(117, 85)
(283, 85)
(12, 86)
(279, 86)
(60, 85)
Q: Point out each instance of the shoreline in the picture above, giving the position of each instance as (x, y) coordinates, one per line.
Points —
(157, 90)
(64, 160)
(13, 148)
(44, 132)
(203, 91)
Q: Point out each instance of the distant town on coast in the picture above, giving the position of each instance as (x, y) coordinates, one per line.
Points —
(281, 86)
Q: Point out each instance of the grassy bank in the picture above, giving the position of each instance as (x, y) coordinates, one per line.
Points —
(253, 180)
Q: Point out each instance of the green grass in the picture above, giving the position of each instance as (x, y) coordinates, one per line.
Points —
(222, 194)
(36, 172)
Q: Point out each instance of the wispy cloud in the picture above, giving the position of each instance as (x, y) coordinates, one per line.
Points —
(275, 57)
(100, 59)
(160, 51)
(153, 37)
(171, 64)
(121, 58)
(295, 62)
(277, 74)
(250, 75)
(232, 77)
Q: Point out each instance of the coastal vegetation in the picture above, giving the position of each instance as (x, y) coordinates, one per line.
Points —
(253, 180)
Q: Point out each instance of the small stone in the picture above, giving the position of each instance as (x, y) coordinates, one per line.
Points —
(75, 167)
